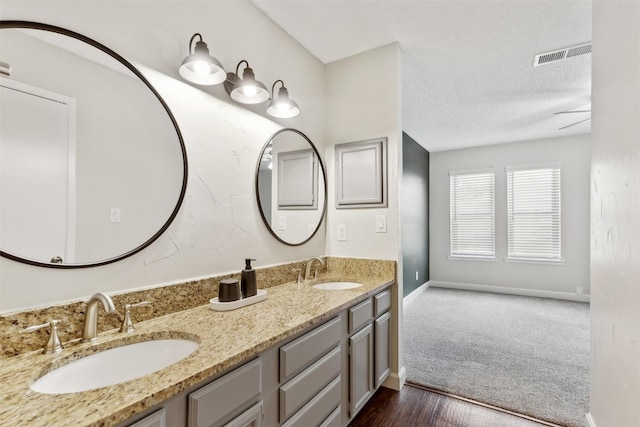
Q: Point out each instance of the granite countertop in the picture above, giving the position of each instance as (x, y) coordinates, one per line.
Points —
(226, 339)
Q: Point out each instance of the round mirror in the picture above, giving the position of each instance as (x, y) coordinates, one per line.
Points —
(291, 187)
(93, 167)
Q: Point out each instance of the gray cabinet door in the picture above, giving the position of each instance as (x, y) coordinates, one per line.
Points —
(381, 335)
(360, 369)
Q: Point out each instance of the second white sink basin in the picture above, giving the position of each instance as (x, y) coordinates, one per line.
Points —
(337, 286)
(115, 365)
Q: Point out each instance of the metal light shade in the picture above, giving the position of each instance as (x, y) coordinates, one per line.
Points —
(248, 90)
(200, 67)
(283, 107)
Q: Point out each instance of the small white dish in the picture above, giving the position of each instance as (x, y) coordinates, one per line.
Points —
(216, 305)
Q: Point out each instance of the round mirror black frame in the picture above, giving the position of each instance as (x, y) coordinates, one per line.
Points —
(324, 179)
(134, 70)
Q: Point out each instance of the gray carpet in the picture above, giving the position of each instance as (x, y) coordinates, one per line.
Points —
(528, 355)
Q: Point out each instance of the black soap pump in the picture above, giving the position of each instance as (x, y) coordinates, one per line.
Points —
(248, 285)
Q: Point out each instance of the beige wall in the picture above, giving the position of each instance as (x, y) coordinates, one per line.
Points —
(364, 102)
(615, 212)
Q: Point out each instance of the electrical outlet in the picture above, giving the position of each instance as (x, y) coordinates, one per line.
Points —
(578, 290)
(342, 232)
(416, 275)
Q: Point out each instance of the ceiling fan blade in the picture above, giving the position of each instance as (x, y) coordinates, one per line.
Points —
(573, 124)
(576, 111)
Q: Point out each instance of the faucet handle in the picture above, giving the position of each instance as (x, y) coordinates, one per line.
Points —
(299, 271)
(53, 345)
(127, 323)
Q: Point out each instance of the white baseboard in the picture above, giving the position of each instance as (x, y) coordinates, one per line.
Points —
(414, 294)
(396, 381)
(506, 290)
(590, 421)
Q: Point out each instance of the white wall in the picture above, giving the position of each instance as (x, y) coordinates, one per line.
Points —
(219, 224)
(543, 280)
(615, 211)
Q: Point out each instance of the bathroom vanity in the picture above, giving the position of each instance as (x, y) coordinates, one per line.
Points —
(303, 356)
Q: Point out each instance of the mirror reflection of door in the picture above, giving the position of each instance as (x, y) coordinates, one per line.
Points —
(128, 165)
(31, 155)
(265, 179)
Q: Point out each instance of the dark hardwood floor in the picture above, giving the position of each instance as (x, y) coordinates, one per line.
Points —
(413, 406)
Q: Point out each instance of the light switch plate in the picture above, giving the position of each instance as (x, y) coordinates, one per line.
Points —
(381, 223)
(115, 215)
(282, 223)
(342, 232)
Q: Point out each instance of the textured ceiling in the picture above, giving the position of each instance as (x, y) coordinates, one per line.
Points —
(467, 66)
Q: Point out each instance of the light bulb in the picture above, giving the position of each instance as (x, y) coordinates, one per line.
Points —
(250, 91)
(201, 68)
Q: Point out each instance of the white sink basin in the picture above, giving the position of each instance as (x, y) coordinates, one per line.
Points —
(115, 365)
(337, 286)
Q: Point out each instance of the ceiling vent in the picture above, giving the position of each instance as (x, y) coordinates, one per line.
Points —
(558, 55)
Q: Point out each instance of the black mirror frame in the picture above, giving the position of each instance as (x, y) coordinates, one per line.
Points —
(63, 31)
(324, 179)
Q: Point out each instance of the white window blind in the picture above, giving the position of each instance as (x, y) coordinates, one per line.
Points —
(533, 213)
(472, 213)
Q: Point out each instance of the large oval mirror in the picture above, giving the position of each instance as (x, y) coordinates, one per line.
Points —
(93, 167)
(291, 187)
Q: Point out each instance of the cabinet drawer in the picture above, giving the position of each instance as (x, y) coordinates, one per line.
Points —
(305, 385)
(306, 349)
(333, 420)
(214, 402)
(381, 302)
(252, 417)
(360, 315)
(157, 419)
(318, 408)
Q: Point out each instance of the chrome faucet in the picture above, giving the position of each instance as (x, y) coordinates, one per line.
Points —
(307, 270)
(90, 331)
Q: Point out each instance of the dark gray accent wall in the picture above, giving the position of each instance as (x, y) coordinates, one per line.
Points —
(415, 214)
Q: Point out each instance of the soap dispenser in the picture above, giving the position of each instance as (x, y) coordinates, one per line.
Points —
(248, 285)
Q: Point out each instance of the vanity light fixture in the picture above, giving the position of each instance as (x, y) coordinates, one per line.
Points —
(282, 107)
(245, 90)
(5, 69)
(199, 67)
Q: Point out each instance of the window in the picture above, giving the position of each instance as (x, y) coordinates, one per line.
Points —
(533, 213)
(472, 214)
